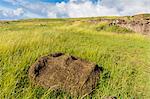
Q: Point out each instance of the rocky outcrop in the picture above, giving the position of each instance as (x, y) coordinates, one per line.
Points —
(139, 26)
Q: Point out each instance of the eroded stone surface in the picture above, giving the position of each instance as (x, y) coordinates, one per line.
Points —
(64, 72)
(140, 26)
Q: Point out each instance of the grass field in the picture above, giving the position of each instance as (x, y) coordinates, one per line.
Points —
(125, 57)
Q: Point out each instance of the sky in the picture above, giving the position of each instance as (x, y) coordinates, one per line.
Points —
(22, 9)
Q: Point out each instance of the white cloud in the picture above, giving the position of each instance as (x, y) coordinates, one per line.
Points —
(18, 12)
(51, 15)
(128, 7)
(85, 8)
(78, 8)
(11, 14)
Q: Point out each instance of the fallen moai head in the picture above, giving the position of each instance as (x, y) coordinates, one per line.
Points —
(66, 73)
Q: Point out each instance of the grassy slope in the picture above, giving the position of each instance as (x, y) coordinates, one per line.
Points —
(125, 57)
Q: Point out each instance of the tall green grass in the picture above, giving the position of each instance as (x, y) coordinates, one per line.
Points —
(124, 57)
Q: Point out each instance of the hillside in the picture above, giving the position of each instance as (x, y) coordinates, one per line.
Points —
(122, 53)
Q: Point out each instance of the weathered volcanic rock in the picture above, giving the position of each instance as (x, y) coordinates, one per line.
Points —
(139, 26)
(66, 73)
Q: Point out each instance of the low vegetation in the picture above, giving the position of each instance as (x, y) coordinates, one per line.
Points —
(124, 57)
(112, 28)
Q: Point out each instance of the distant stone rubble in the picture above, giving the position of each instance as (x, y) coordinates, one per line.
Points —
(137, 23)
(140, 26)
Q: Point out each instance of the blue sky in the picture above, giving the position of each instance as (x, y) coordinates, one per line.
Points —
(54, 1)
(21, 9)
